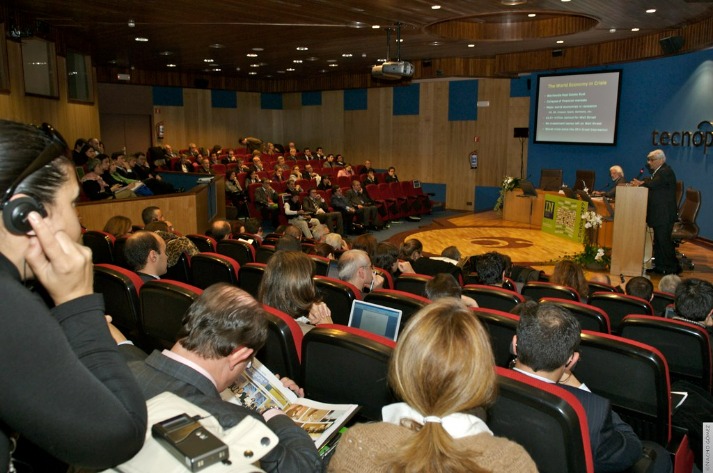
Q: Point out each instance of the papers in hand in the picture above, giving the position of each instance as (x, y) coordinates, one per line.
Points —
(259, 389)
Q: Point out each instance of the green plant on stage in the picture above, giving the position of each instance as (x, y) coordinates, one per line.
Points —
(508, 184)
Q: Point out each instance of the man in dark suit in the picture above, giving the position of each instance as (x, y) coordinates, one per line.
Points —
(145, 253)
(546, 346)
(266, 201)
(661, 211)
(364, 205)
(222, 331)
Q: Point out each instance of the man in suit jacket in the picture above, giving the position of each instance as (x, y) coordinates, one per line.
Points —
(546, 346)
(222, 331)
(661, 211)
(266, 201)
(145, 253)
(340, 203)
(315, 205)
(617, 179)
(364, 205)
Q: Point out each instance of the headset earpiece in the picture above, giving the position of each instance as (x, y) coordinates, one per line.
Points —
(15, 212)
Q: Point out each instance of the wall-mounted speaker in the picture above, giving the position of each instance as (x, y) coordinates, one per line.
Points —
(521, 132)
(671, 44)
(557, 52)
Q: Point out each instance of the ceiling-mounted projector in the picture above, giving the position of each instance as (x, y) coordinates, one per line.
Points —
(392, 70)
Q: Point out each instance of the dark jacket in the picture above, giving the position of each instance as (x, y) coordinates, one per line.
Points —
(661, 208)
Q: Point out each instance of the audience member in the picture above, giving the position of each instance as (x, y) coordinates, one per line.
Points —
(266, 202)
(145, 253)
(391, 175)
(341, 204)
(297, 216)
(412, 251)
(64, 387)
(287, 285)
(220, 230)
(324, 250)
(640, 287)
(319, 232)
(366, 168)
(252, 178)
(94, 185)
(118, 225)
(251, 143)
(325, 183)
(617, 179)
(222, 331)
(355, 268)
(386, 257)
(694, 303)
(288, 243)
(443, 370)
(183, 164)
(366, 242)
(669, 283)
(151, 214)
(568, 273)
(336, 241)
(445, 285)
(491, 268)
(547, 349)
(364, 206)
(315, 205)
(291, 230)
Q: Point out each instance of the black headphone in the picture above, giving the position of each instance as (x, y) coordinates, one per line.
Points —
(15, 211)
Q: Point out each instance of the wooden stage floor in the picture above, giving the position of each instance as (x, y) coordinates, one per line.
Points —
(486, 231)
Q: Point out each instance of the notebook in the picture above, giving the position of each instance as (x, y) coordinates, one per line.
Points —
(376, 319)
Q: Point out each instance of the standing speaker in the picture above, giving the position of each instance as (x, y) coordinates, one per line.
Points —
(671, 44)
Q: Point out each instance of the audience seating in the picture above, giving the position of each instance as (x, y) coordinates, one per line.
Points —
(181, 271)
(493, 297)
(387, 207)
(538, 289)
(120, 288)
(679, 194)
(250, 277)
(508, 284)
(619, 305)
(601, 287)
(406, 302)
(101, 244)
(163, 305)
(338, 295)
(202, 242)
(388, 278)
(686, 346)
(271, 239)
(118, 251)
(210, 268)
(660, 301)
(347, 365)
(686, 228)
(548, 421)
(283, 350)
(590, 317)
(501, 327)
(321, 264)
(240, 251)
(413, 283)
(264, 253)
(256, 239)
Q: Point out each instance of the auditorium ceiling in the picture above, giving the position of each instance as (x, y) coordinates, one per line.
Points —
(309, 38)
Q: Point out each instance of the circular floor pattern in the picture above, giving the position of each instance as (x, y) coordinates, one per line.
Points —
(522, 245)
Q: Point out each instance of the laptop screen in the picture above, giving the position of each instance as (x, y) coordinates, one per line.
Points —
(416, 184)
(333, 270)
(376, 319)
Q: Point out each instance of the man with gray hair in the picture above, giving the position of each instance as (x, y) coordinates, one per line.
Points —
(661, 211)
(355, 268)
(617, 176)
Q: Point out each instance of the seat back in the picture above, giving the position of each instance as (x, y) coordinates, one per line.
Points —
(600, 287)
(548, 421)
(119, 256)
(256, 239)
(120, 288)
(686, 346)
(492, 297)
(321, 264)
(660, 301)
(210, 268)
(687, 228)
(539, 289)
(338, 295)
(619, 305)
(181, 271)
(634, 377)
(413, 283)
(250, 277)
(203, 242)
(584, 178)
(679, 193)
(550, 179)
(101, 244)
(388, 278)
(264, 253)
(590, 317)
(501, 327)
(406, 302)
(163, 305)
(240, 251)
(283, 350)
(347, 365)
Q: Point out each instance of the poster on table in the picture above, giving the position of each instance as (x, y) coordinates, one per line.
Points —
(563, 217)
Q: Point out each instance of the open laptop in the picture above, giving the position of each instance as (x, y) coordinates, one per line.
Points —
(587, 198)
(416, 184)
(569, 193)
(528, 190)
(333, 270)
(375, 318)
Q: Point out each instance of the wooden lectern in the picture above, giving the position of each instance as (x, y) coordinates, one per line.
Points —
(629, 239)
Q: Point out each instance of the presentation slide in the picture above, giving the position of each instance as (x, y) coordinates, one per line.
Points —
(577, 108)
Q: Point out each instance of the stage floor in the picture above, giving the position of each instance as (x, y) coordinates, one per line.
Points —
(486, 231)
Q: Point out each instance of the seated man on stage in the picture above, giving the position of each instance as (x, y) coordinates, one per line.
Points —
(617, 176)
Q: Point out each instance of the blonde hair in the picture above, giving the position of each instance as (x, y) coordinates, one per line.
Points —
(118, 225)
(569, 273)
(443, 364)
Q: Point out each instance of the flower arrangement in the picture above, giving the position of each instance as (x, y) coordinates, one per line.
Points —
(592, 257)
(508, 184)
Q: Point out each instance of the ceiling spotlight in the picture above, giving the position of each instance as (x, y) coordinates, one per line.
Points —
(612, 30)
(312, 58)
(252, 73)
(651, 10)
(217, 69)
(254, 65)
(302, 48)
(280, 72)
(131, 23)
(381, 60)
(513, 3)
(334, 65)
(170, 65)
(560, 41)
(217, 46)
(376, 27)
(141, 39)
(471, 45)
(207, 60)
(237, 69)
(290, 69)
(347, 55)
(251, 55)
(435, 7)
(635, 29)
(297, 61)
(331, 60)
(166, 53)
(258, 49)
(532, 15)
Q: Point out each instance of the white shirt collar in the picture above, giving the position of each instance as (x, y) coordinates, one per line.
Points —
(183, 360)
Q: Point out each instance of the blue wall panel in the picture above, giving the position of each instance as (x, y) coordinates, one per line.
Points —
(462, 100)
(223, 99)
(407, 99)
(172, 96)
(271, 101)
(355, 99)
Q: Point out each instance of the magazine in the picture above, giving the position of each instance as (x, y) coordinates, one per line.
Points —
(259, 389)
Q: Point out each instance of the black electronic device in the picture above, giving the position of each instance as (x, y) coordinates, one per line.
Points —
(191, 443)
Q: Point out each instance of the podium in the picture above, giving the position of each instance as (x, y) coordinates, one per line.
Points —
(629, 238)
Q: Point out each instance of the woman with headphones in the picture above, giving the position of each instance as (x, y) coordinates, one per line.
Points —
(64, 388)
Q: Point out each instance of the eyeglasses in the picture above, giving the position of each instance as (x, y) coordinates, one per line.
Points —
(56, 147)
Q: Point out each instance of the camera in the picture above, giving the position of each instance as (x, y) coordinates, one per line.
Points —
(187, 440)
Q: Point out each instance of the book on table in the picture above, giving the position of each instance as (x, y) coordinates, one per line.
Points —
(259, 389)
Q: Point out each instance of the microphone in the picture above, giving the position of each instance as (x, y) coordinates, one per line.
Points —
(641, 174)
(584, 187)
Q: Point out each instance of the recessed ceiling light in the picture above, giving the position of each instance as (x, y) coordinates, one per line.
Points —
(347, 55)
(471, 45)
(565, 1)
(359, 24)
(207, 60)
(280, 72)
(376, 27)
(400, 40)
(381, 60)
(252, 73)
(141, 39)
(297, 61)
(170, 65)
(363, 54)
(635, 29)
(612, 30)
(237, 68)
(258, 49)
(512, 3)
(560, 41)
(323, 71)
(435, 7)
(651, 10)
(334, 65)
(166, 53)
(216, 46)
(217, 69)
(290, 69)
(331, 60)
(131, 23)
(251, 55)
(312, 58)
(532, 15)
(302, 48)
(435, 43)
(254, 65)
